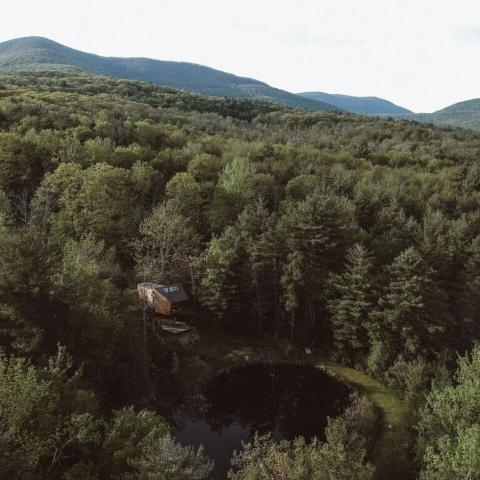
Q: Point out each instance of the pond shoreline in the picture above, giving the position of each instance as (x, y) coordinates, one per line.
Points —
(283, 399)
(215, 352)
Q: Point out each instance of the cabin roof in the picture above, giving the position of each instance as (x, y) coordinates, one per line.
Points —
(173, 292)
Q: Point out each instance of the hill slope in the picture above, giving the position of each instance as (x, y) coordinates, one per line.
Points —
(463, 114)
(360, 105)
(37, 53)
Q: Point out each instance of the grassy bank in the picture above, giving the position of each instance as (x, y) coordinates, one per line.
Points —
(390, 452)
(216, 351)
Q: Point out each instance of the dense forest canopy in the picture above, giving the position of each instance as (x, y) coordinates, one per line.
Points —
(358, 236)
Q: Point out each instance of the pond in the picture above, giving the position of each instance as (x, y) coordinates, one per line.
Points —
(284, 400)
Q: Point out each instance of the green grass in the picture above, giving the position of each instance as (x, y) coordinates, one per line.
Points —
(392, 408)
(216, 351)
(389, 453)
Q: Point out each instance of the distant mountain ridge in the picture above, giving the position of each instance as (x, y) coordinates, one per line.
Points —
(359, 105)
(38, 53)
(464, 114)
(42, 54)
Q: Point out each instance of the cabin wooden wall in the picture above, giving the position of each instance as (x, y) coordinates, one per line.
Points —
(161, 304)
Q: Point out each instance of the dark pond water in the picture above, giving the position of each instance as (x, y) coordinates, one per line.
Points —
(284, 400)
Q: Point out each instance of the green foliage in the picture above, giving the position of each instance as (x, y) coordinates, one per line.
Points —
(29, 314)
(318, 232)
(408, 320)
(350, 310)
(91, 201)
(359, 235)
(20, 169)
(127, 433)
(190, 199)
(341, 457)
(165, 459)
(219, 281)
(44, 414)
(265, 248)
(167, 247)
(40, 54)
(86, 283)
(362, 105)
(449, 426)
(49, 424)
(463, 114)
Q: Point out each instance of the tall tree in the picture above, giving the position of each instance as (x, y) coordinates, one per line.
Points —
(411, 317)
(86, 283)
(264, 246)
(350, 307)
(320, 229)
(32, 316)
(167, 246)
(292, 282)
(221, 281)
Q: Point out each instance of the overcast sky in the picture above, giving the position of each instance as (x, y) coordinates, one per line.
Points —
(421, 54)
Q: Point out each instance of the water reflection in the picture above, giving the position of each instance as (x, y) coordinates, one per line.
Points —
(285, 400)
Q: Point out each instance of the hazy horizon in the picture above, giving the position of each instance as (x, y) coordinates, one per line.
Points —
(419, 56)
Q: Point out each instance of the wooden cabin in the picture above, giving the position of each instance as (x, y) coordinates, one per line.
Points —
(163, 298)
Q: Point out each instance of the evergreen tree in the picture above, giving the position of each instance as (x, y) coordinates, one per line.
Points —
(352, 303)
(264, 245)
(319, 229)
(411, 317)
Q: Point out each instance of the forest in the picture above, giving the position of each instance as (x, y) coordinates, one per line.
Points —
(358, 237)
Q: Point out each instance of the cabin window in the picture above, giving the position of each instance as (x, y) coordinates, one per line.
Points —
(171, 289)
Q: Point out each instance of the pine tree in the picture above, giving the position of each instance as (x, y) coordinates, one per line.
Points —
(319, 229)
(411, 316)
(349, 310)
(266, 254)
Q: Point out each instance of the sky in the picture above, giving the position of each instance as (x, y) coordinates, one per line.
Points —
(421, 54)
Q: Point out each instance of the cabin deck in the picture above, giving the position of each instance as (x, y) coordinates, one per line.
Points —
(174, 326)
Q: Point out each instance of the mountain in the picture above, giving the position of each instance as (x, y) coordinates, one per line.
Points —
(463, 114)
(360, 105)
(37, 53)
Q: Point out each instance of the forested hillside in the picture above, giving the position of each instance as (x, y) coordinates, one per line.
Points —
(360, 105)
(356, 236)
(463, 114)
(40, 54)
